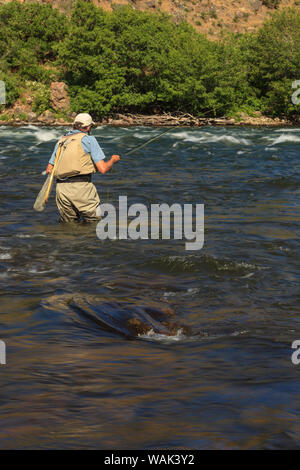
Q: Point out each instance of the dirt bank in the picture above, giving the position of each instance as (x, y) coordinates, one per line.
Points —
(163, 120)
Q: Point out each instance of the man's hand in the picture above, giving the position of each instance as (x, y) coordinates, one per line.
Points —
(115, 158)
(49, 168)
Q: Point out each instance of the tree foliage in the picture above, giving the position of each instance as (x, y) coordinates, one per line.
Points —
(28, 34)
(133, 61)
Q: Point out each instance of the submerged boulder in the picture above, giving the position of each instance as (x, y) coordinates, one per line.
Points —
(128, 319)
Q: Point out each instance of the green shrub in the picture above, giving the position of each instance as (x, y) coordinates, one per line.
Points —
(28, 36)
(13, 86)
(41, 96)
(4, 117)
(23, 116)
(274, 60)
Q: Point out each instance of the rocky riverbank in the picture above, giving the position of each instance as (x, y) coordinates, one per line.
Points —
(165, 120)
(192, 121)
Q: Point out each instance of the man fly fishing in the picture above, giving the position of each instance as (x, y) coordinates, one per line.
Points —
(76, 156)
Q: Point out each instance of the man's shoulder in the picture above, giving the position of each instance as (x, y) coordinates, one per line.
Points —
(67, 134)
(90, 138)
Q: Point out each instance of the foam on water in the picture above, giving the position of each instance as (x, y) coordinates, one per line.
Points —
(36, 271)
(5, 256)
(144, 134)
(25, 235)
(44, 135)
(207, 137)
(41, 134)
(169, 294)
(179, 337)
(152, 336)
(287, 130)
(283, 138)
(247, 276)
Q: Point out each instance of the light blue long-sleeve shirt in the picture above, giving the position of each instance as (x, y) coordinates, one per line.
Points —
(89, 145)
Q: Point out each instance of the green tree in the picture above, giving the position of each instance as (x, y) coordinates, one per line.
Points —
(28, 34)
(274, 57)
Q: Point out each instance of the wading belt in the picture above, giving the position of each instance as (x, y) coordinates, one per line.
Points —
(76, 179)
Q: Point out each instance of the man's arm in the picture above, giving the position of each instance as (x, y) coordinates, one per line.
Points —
(91, 146)
(104, 167)
(52, 159)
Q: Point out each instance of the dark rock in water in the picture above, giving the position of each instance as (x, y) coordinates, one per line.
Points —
(137, 327)
(128, 319)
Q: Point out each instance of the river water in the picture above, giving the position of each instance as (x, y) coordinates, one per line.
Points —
(72, 382)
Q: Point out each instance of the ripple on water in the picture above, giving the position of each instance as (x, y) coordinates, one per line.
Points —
(223, 376)
(209, 263)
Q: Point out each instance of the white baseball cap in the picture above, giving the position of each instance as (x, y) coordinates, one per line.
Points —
(85, 119)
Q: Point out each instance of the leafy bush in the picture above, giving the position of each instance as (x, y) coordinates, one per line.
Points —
(12, 87)
(4, 117)
(41, 96)
(274, 59)
(28, 34)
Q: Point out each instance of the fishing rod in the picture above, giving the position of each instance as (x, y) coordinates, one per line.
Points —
(148, 141)
(134, 149)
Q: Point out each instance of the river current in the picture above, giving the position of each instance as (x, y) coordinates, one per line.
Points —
(74, 377)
